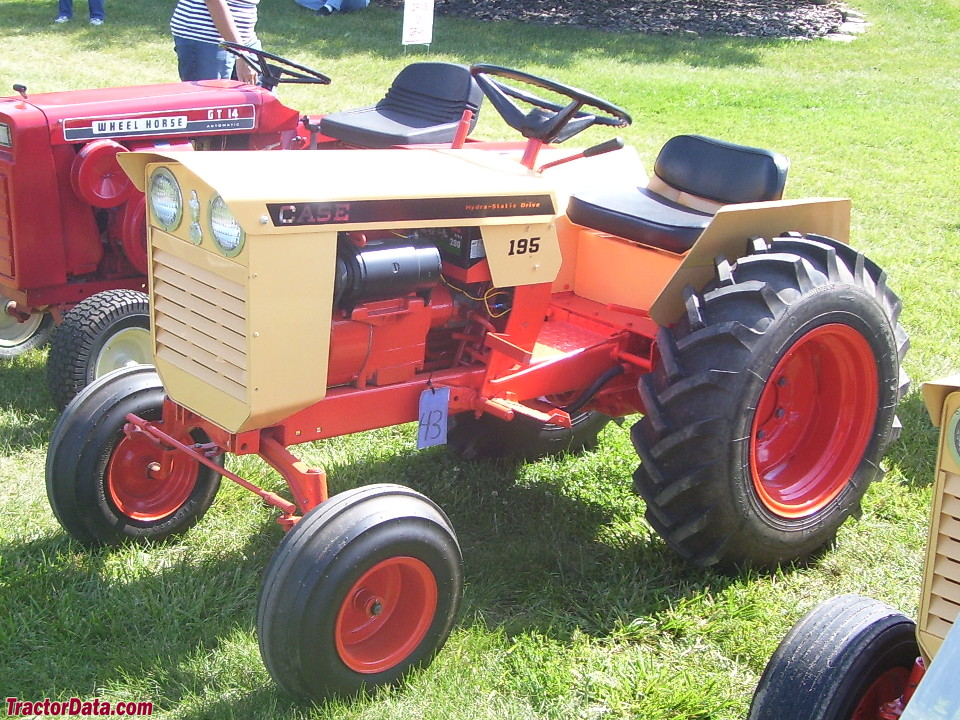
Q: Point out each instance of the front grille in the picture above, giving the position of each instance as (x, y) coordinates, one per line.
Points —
(944, 583)
(6, 227)
(200, 321)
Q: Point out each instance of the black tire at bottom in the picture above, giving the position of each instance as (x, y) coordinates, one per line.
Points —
(313, 576)
(828, 661)
(79, 456)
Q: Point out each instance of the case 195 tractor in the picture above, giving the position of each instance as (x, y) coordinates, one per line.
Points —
(73, 225)
(853, 657)
(511, 303)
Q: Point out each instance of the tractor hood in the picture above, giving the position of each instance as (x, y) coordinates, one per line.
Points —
(149, 111)
(272, 192)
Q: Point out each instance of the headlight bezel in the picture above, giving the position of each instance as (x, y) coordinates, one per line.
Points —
(169, 221)
(230, 243)
(6, 135)
(952, 436)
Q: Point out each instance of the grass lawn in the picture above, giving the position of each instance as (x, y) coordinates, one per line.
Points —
(574, 608)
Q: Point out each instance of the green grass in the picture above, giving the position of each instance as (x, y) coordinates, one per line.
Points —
(573, 607)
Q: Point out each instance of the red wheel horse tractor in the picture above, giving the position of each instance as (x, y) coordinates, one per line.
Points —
(72, 224)
(512, 300)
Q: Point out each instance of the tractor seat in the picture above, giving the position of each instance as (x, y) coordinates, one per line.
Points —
(423, 105)
(693, 177)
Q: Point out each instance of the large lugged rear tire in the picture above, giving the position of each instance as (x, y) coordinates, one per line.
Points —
(103, 486)
(102, 333)
(843, 660)
(771, 404)
(363, 589)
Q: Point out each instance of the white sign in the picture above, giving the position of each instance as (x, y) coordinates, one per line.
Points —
(417, 22)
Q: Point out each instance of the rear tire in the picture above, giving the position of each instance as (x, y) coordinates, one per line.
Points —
(523, 438)
(98, 482)
(843, 660)
(771, 404)
(364, 588)
(102, 333)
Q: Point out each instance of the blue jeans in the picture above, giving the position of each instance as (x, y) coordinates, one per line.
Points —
(96, 9)
(201, 61)
(335, 5)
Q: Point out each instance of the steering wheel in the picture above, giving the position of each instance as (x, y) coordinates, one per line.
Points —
(274, 69)
(546, 121)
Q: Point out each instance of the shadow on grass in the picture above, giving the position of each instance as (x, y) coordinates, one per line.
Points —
(288, 29)
(161, 621)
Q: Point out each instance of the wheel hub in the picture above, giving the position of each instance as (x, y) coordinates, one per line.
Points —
(813, 421)
(386, 615)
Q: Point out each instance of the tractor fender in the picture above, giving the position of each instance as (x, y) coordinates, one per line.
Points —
(729, 232)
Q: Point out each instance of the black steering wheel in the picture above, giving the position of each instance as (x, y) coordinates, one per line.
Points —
(274, 69)
(546, 121)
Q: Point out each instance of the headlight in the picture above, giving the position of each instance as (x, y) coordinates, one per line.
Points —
(5, 137)
(953, 436)
(166, 200)
(227, 233)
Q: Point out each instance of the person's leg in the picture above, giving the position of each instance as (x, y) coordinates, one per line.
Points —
(96, 9)
(65, 8)
(201, 61)
(349, 5)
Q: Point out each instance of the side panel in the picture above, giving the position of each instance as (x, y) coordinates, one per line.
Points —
(243, 341)
(940, 598)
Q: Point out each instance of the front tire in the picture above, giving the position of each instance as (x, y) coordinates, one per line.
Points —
(364, 588)
(771, 404)
(843, 660)
(104, 332)
(100, 482)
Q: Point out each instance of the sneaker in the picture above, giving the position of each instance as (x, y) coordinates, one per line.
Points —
(62, 19)
(96, 21)
(325, 10)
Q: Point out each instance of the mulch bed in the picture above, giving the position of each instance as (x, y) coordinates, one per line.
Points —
(750, 18)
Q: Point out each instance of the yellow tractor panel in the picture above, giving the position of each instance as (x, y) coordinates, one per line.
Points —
(940, 598)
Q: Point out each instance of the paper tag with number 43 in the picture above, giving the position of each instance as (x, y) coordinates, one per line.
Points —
(434, 410)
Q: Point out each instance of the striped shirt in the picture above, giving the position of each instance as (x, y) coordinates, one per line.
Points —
(192, 20)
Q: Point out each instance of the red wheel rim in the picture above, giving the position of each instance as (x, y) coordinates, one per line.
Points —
(814, 420)
(138, 484)
(886, 688)
(386, 614)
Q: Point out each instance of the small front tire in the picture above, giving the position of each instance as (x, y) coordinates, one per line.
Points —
(844, 659)
(364, 588)
(103, 485)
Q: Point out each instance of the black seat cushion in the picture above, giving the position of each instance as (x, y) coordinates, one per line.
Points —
(639, 215)
(423, 105)
(711, 169)
(721, 171)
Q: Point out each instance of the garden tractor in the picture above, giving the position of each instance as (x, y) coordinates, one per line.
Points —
(853, 657)
(73, 225)
(510, 300)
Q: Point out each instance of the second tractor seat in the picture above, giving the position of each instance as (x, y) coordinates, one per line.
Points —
(693, 177)
(423, 105)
